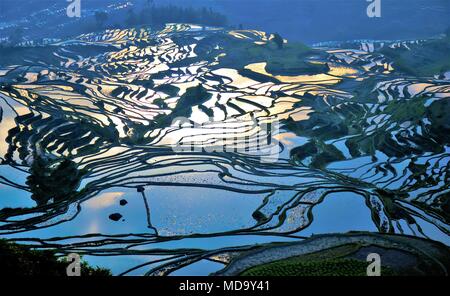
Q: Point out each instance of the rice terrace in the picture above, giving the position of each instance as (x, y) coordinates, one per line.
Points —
(152, 139)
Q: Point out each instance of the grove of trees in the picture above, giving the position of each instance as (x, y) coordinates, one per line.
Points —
(157, 16)
(160, 15)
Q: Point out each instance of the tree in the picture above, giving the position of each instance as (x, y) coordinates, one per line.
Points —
(19, 260)
(53, 180)
(160, 15)
(279, 41)
(100, 18)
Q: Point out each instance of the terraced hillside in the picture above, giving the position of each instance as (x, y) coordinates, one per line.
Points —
(101, 152)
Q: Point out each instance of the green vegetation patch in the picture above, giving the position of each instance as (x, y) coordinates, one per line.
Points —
(316, 154)
(170, 90)
(407, 110)
(330, 262)
(17, 260)
(194, 96)
(424, 59)
(57, 180)
(330, 267)
(290, 59)
(439, 116)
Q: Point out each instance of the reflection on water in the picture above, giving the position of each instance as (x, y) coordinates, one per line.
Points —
(323, 78)
(348, 160)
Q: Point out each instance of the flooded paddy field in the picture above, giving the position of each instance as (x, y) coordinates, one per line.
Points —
(110, 146)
